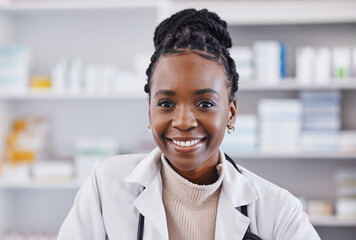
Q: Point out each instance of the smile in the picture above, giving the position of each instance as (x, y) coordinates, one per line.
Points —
(186, 143)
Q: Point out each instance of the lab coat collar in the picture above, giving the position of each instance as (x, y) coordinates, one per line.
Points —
(236, 187)
(146, 170)
(236, 192)
(149, 203)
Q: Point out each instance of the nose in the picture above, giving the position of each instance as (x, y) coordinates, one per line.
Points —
(184, 119)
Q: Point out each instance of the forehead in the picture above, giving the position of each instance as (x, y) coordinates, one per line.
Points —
(188, 71)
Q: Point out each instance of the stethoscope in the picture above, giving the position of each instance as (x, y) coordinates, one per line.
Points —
(248, 235)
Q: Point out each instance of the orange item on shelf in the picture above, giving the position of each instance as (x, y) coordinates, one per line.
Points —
(19, 148)
(42, 82)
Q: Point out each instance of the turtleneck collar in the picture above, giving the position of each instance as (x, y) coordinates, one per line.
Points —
(186, 192)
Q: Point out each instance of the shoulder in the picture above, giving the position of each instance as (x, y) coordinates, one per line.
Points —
(263, 187)
(276, 208)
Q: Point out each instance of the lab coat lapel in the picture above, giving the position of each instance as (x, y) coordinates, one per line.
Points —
(150, 205)
(230, 223)
(149, 202)
(236, 192)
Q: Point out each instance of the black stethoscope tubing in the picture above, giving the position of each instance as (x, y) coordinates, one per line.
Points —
(248, 235)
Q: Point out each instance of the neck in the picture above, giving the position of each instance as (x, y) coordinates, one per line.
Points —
(206, 177)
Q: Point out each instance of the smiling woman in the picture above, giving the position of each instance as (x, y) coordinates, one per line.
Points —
(190, 104)
(186, 188)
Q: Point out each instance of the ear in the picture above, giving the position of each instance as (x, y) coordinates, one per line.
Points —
(232, 112)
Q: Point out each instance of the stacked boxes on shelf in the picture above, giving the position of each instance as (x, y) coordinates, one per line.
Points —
(346, 192)
(321, 121)
(347, 141)
(90, 150)
(319, 65)
(244, 138)
(280, 125)
(14, 68)
(270, 61)
(244, 62)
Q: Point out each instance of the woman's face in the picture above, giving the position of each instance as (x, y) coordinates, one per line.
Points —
(189, 111)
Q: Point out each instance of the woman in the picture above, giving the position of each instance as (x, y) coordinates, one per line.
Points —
(186, 188)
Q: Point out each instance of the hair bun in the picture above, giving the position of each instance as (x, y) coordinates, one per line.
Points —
(201, 21)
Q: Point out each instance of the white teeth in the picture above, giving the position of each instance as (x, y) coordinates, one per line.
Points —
(186, 143)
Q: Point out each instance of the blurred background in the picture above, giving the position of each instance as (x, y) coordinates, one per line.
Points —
(71, 92)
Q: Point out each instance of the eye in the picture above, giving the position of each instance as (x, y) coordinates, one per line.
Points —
(206, 104)
(165, 104)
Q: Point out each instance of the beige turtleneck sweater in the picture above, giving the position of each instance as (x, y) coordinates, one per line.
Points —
(190, 208)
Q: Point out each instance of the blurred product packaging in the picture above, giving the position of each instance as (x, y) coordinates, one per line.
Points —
(27, 140)
(244, 62)
(67, 75)
(319, 208)
(321, 120)
(244, 139)
(40, 83)
(88, 151)
(322, 66)
(15, 172)
(346, 192)
(280, 124)
(305, 64)
(270, 61)
(4, 127)
(341, 62)
(141, 62)
(347, 142)
(73, 76)
(52, 171)
(14, 68)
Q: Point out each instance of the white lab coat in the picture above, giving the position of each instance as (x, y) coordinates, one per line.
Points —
(108, 204)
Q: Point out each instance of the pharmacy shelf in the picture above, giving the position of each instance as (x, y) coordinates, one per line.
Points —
(308, 156)
(48, 95)
(332, 221)
(328, 221)
(57, 5)
(288, 84)
(234, 12)
(32, 184)
(275, 12)
(291, 84)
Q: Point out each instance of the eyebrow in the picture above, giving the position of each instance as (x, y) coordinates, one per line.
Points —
(165, 92)
(206, 90)
(197, 92)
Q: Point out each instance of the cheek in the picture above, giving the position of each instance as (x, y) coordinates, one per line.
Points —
(159, 124)
(216, 125)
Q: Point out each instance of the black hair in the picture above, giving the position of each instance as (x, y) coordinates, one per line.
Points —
(201, 32)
